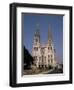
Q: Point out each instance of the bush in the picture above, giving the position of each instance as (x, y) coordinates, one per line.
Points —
(50, 67)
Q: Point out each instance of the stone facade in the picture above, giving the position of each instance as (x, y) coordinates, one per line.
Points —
(43, 54)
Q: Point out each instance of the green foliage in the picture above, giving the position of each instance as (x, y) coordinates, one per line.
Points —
(28, 59)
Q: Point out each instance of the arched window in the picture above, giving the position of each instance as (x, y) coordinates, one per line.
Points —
(36, 40)
(36, 48)
(39, 60)
(45, 59)
(35, 57)
(51, 48)
(48, 49)
(48, 56)
(51, 60)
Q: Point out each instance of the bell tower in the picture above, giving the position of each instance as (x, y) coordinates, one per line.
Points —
(36, 46)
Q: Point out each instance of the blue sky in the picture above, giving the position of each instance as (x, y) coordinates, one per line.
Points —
(29, 22)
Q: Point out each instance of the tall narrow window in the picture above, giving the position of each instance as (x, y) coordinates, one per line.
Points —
(51, 60)
(45, 59)
(48, 49)
(51, 48)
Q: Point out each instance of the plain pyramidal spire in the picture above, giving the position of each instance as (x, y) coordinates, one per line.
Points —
(49, 32)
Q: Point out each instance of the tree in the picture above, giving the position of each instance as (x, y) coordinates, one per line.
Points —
(28, 59)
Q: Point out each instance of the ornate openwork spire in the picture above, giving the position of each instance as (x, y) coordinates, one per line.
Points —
(37, 35)
(37, 28)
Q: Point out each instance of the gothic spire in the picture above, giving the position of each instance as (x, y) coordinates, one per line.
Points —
(37, 33)
(49, 35)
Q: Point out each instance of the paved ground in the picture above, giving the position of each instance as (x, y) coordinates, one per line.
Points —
(42, 71)
(56, 71)
(48, 71)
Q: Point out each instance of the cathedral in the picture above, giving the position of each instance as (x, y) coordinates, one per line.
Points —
(43, 54)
